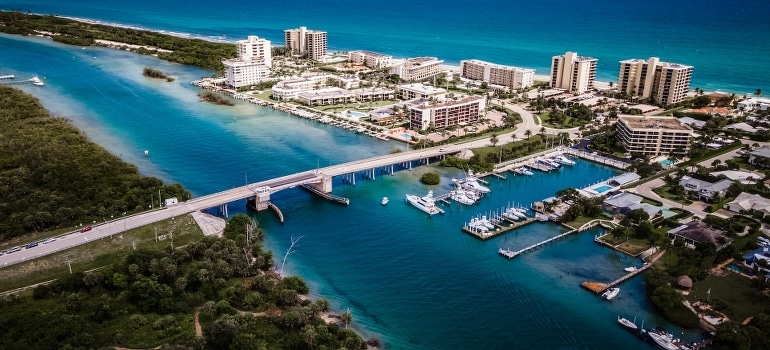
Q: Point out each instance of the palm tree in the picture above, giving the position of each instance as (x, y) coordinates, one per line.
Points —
(528, 133)
(347, 317)
(758, 92)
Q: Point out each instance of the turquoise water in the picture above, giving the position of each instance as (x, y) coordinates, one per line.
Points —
(356, 114)
(666, 162)
(417, 282)
(602, 189)
(725, 41)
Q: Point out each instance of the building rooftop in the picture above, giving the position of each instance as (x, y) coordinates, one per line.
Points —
(761, 152)
(700, 232)
(693, 122)
(623, 200)
(426, 104)
(422, 88)
(495, 65)
(647, 122)
(748, 201)
(624, 178)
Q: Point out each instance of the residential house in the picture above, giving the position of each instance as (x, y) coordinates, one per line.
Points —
(625, 202)
(751, 259)
(760, 156)
(695, 232)
(623, 179)
(705, 190)
(747, 202)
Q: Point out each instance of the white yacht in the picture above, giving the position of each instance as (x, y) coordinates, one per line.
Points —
(563, 160)
(384, 200)
(484, 221)
(460, 196)
(610, 293)
(512, 215)
(36, 81)
(549, 162)
(472, 183)
(662, 339)
(476, 225)
(426, 203)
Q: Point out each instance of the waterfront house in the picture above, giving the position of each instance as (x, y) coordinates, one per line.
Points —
(624, 202)
(623, 179)
(695, 232)
(762, 253)
(754, 103)
(704, 190)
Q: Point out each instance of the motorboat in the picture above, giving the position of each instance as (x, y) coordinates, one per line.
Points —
(526, 171)
(476, 225)
(511, 215)
(630, 269)
(549, 162)
(384, 200)
(425, 203)
(625, 323)
(36, 81)
(562, 159)
(460, 196)
(484, 221)
(471, 182)
(662, 339)
(610, 293)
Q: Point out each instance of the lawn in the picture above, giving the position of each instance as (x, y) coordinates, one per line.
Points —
(734, 290)
(663, 191)
(99, 253)
(633, 246)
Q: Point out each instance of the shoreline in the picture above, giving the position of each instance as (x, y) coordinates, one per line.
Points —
(452, 66)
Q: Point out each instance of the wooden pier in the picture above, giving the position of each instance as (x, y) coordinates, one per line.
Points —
(539, 166)
(499, 230)
(598, 287)
(328, 196)
(512, 254)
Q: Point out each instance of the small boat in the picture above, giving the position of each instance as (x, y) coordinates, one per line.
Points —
(563, 160)
(662, 339)
(36, 81)
(471, 182)
(461, 197)
(625, 323)
(630, 269)
(426, 203)
(610, 293)
(384, 200)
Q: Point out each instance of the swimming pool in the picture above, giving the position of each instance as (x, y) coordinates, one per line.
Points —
(666, 162)
(602, 188)
(356, 114)
(406, 136)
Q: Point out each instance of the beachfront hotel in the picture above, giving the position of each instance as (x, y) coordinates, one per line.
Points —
(306, 43)
(370, 59)
(660, 82)
(653, 135)
(252, 64)
(574, 73)
(512, 77)
(418, 68)
(427, 113)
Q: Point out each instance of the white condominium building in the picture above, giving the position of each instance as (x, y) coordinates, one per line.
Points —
(306, 43)
(572, 72)
(512, 77)
(447, 113)
(660, 82)
(653, 135)
(418, 68)
(370, 59)
(252, 64)
(420, 90)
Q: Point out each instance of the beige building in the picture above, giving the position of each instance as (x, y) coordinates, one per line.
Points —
(252, 64)
(653, 135)
(572, 72)
(512, 77)
(418, 68)
(420, 90)
(445, 114)
(306, 43)
(660, 82)
(370, 59)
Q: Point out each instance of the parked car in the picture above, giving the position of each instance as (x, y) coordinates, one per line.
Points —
(86, 229)
(31, 245)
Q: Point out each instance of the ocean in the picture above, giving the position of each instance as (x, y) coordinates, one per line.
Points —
(723, 40)
(414, 281)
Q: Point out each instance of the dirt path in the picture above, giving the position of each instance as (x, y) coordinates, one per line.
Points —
(198, 329)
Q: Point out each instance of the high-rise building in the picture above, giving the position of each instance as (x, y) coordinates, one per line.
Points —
(653, 135)
(306, 43)
(252, 64)
(512, 77)
(660, 82)
(447, 113)
(574, 73)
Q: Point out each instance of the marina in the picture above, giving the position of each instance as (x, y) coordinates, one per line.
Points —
(598, 287)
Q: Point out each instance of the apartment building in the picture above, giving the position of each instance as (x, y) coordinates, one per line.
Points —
(444, 114)
(512, 77)
(306, 43)
(659, 82)
(252, 64)
(653, 135)
(290, 89)
(574, 73)
(419, 90)
(418, 68)
(370, 59)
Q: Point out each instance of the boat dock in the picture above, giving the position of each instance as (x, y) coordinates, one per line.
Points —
(512, 225)
(328, 196)
(9, 76)
(512, 254)
(598, 287)
(540, 166)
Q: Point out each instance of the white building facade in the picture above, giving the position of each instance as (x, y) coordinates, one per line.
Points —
(512, 77)
(252, 64)
(447, 113)
(574, 73)
(370, 59)
(418, 68)
(653, 135)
